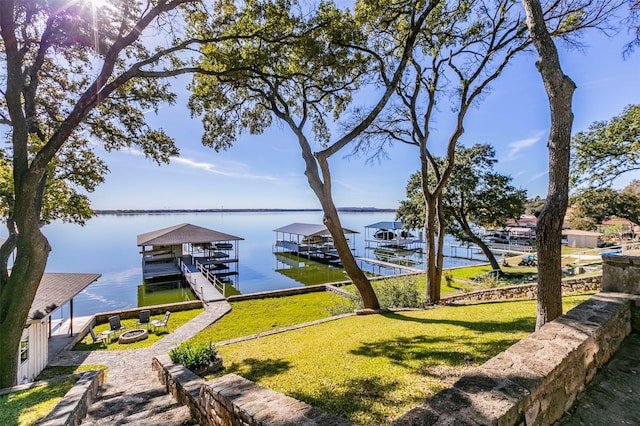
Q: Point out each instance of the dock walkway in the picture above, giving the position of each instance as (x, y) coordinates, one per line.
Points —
(390, 265)
(202, 286)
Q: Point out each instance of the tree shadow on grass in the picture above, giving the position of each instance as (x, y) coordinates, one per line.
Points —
(359, 400)
(255, 369)
(507, 326)
(444, 350)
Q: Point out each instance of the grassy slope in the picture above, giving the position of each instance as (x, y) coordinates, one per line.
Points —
(370, 369)
(255, 316)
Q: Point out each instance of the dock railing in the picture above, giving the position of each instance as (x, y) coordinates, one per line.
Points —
(219, 285)
(191, 280)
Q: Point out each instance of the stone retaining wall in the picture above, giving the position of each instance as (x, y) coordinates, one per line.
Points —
(537, 380)
(75, 404)
(103, 317)
(525, 291)
(234, 400)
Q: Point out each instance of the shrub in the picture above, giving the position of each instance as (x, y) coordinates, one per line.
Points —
(399, 293)
(344, 305)
(195, 358)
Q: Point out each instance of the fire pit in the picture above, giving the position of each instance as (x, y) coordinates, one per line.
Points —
(133, 336)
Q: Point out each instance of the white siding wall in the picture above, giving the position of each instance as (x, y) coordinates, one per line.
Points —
(38, 351)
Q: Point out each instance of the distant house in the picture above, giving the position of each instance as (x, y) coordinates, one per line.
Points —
(55, 290)
(581, 239)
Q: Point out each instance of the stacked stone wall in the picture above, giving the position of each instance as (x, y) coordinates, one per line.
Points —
(234, 400)
(525, 291)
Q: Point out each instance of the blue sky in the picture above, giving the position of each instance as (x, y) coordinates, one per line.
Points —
(266, 171)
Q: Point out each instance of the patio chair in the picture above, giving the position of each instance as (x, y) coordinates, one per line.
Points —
(143, 319)
(116, 326)
(103, 338)
(164, 323)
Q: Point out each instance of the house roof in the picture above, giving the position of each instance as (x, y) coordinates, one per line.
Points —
(309, 229)
(577, 232)
(183, 233)
(56, 289)
(386, 225)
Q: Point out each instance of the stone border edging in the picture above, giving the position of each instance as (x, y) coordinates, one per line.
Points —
(74, 405)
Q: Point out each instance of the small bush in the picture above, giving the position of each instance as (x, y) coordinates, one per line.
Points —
(449, 279)
(196, 357)
(399, 293)
(344, 305)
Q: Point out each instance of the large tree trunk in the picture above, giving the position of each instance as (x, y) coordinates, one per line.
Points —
(560, 90)
(18, 290)
(321, 186)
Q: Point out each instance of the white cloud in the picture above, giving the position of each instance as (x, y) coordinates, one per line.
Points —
(516, 147)
(538, 176)
(229, 169)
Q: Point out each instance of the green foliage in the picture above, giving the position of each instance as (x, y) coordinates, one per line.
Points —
(301, 68)
(534, 205)
(607, 150)
(400, 292)
(591, 206)
(62, 51)
(476, 193)
(196, 357)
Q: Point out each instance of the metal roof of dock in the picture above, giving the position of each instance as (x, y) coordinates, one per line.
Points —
(309, 229)
(183, 233)
(385, 225)
(56, 289)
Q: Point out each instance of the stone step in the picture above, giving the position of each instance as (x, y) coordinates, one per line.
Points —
(172, 416)
(151, 406)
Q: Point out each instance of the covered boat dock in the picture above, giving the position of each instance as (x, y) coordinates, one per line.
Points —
(391, 234)
(206, 258)
(312, 241)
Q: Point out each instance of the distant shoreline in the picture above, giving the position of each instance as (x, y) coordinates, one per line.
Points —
(169, 211)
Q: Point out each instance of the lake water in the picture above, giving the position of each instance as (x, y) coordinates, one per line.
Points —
(107, 245)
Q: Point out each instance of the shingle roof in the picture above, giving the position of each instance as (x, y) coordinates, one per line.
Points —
(181, 234)
(309, 229)
(56, 289)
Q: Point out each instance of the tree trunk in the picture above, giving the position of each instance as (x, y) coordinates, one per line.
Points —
(484, 247)
(560, 90)
(322, 189)
(431, 248)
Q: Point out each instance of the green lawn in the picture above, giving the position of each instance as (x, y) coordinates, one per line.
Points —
(254, 316)
(29, 406)
(371, 369)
